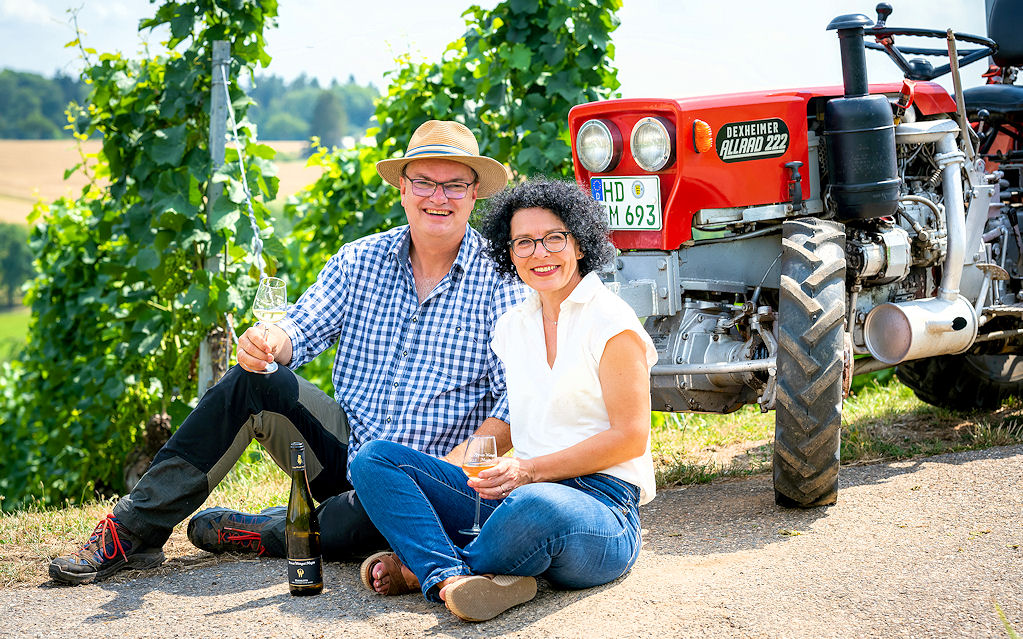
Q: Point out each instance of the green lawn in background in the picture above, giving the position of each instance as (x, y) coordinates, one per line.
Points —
(13, 330)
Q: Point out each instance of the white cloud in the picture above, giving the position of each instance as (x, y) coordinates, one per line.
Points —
(112, 10)
(29, 11)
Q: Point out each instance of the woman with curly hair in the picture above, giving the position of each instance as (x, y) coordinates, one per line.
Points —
(565, 505)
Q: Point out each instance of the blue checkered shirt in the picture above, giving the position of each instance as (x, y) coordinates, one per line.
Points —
(420, 375)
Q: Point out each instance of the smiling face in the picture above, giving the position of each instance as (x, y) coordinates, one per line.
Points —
(436, 217)
(551, 274)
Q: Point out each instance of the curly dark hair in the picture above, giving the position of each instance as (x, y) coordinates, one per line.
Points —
(584, 218)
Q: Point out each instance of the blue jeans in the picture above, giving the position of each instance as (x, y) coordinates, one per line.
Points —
(577, 533)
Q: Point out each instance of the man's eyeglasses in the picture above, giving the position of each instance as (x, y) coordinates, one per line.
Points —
(554, 242)
(426, 188)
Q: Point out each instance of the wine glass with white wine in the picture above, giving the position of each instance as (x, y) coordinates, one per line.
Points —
(269, 306)
(480, 454)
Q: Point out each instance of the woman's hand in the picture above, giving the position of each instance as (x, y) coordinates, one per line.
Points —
(506, 476)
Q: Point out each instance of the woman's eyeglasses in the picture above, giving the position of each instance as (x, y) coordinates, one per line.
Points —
(554, 242)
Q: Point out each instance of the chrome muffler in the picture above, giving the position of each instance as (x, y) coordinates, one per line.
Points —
(942, 325)
(920, 328)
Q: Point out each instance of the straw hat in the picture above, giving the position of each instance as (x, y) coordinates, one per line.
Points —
(443, 140)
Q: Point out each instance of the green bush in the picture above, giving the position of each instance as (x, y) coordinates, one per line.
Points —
(123, 295)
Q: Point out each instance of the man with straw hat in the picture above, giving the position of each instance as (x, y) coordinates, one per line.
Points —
(411, 310)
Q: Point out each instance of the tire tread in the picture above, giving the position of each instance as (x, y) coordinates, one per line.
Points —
(811, 316)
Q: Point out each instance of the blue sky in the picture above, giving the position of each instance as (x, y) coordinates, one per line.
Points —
(664, 48)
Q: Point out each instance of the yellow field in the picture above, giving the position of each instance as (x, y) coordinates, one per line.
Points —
(31, 170)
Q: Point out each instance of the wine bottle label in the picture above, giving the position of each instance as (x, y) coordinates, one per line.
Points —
(304, 572)
(297, 459)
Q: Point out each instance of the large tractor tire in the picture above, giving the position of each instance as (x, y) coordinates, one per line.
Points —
(964, 382)
(811, 322)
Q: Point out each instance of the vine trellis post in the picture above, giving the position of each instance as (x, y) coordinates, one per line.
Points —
(215, 350)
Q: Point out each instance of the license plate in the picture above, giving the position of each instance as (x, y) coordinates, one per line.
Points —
(632, 203)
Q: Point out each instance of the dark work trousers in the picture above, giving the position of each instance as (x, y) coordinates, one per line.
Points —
(275, 410)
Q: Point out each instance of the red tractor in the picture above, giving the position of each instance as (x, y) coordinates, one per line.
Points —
(779, 242)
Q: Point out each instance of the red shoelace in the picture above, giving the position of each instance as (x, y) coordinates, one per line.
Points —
(108, 523)
(242, 537)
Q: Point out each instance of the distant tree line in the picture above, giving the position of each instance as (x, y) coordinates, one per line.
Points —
(32, 107)
(302, 108)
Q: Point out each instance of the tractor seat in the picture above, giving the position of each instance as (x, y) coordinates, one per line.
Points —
(996, 98)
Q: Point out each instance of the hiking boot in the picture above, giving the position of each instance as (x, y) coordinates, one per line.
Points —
(111, 548)
(222, 529)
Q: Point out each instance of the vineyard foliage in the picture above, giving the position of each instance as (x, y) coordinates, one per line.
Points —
(123, 294)
(136, 271)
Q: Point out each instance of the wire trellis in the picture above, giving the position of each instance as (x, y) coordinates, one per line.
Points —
(257, 241)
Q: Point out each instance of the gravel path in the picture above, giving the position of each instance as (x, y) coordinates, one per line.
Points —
(922, 548)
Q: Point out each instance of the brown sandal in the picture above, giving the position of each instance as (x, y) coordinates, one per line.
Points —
(392, 568)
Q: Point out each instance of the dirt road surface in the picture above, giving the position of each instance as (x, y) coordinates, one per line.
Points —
(923, 548)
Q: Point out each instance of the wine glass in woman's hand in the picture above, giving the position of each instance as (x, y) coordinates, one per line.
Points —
(480, 454)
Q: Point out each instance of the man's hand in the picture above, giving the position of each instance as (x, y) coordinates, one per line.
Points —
(258, 346)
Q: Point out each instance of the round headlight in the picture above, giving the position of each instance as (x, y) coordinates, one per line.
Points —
(599, 145)
(653, 143)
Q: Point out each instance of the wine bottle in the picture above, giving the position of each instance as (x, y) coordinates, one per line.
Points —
(302, 532)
